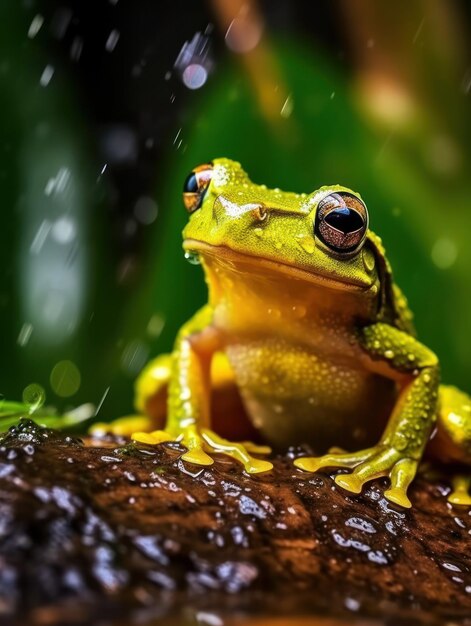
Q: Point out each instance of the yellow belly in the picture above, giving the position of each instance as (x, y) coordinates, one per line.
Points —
(293, 395)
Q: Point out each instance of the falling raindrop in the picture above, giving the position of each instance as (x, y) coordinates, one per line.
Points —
(287, 108)
(112, 40)
(24, 334)
(46, 76)
(64, 230)
(35, 26)
(193, 62)
(134, 356)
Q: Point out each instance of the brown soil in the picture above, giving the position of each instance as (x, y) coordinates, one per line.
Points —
(108, 533)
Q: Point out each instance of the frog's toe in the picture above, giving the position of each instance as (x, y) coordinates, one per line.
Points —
(461, 487)
(238, 451)
(202, 443)
(387, 462)
(255, 448)
(152, 438)
(349, 482)
(398, 496)
(367, 465)
(333, 460)
(191, 440)
(197, 456)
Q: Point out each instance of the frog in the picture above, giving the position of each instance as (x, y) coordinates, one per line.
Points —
(305, 325)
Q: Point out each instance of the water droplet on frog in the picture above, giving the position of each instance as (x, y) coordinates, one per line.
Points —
(299, 311)
(306, 242)
(258, 232)
(192, 257)
(34, 396)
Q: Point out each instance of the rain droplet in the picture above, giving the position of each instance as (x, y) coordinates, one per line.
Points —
(155, 325)
(46, 76)
(192, 257)
(444, 253)
(194, 76)
(244, 33)
(112, 40)
(35, 26)
(287, 107)
(65, 379)
(299, 311)
(24, 334)
(306, 242)
(34, 395)
(145, 210)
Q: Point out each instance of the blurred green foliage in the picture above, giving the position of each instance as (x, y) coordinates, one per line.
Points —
(57, 289)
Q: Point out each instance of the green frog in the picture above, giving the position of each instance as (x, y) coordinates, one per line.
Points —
(305, 324)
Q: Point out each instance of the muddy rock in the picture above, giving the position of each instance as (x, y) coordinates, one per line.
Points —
(102, 531)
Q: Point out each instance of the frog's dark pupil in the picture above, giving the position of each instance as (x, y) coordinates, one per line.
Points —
(344, 219)
(191, 184)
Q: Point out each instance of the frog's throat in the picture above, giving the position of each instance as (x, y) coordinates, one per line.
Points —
(224, 252)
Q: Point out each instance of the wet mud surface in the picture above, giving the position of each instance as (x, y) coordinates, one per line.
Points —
(103, 532)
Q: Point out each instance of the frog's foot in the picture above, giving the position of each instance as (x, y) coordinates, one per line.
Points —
(123, 426)
(367, 465)
(200, 442)
(461, 490)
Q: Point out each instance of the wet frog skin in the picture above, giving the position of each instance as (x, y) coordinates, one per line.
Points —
(304, 319)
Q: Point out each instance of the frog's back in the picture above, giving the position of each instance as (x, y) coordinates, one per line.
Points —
(393, 307)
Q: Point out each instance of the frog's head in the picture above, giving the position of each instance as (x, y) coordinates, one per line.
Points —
(319, 236)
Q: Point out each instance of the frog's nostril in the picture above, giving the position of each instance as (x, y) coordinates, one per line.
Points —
(260, 212)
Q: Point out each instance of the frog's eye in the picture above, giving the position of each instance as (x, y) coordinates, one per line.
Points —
(195, 186)
(341, 222)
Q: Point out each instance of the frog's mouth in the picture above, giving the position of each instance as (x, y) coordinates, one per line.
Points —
(224, 253)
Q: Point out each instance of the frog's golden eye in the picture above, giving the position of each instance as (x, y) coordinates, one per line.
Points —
(195, 186)
(341, 222)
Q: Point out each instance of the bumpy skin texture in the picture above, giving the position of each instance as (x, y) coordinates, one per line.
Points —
(319, 340)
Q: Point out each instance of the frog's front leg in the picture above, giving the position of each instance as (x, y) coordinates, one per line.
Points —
(397, 355)
(189, 396)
